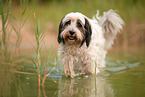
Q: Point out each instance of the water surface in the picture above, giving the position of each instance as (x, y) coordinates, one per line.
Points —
(123, 76)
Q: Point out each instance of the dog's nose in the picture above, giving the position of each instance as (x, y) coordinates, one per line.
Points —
(71, 32)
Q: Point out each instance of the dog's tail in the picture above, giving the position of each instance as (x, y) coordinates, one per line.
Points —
(111, 23)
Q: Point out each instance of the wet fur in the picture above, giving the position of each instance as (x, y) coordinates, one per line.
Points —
(91, 44)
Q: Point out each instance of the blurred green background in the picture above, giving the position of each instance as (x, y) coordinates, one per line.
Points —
(50, 13)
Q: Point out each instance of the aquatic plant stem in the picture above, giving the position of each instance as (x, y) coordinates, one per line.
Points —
(44, 78)
(45, 75)
(4, 25)
(38, 60)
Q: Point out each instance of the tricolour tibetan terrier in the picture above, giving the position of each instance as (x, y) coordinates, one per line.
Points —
(84, 42)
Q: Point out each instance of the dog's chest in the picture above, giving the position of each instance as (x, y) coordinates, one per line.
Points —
(75, 50)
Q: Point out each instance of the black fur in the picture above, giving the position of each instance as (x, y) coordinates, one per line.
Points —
(88, 33)
(59, 38)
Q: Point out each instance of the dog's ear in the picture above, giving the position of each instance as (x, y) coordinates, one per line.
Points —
(88, 32)
(59, 38)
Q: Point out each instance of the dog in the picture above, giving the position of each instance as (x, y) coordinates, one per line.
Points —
(83, 42)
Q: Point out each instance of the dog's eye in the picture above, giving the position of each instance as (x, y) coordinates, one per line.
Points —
(67, 23)
(79, 24)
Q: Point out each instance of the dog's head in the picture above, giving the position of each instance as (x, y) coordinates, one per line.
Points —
(74, 29)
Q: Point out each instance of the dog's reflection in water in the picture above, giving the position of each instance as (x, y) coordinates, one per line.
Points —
(86, 86)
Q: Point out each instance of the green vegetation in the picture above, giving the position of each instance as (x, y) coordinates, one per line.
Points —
(7, 65)
(19, 22)
(11, 64)
(5, 23)
(14, 14)
(38, 61)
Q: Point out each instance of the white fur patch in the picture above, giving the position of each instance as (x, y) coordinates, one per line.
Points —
(104, 30)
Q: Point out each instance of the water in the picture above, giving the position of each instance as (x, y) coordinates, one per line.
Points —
(124, 76)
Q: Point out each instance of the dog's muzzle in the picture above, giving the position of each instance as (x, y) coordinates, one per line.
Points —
(71, 35)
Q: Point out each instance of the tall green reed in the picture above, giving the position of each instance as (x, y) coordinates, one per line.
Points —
(19, 22)
(6, 64)
(38, 61)
(5, 23)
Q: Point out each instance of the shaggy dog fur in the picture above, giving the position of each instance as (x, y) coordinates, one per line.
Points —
(84, 42)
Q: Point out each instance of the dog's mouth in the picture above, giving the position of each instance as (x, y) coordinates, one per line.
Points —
(71, 37)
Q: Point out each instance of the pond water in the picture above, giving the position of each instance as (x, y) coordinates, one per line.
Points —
(123, 76)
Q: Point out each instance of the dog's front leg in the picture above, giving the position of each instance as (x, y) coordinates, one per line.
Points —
(66, 68)
(72, 73)
(89, 68)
